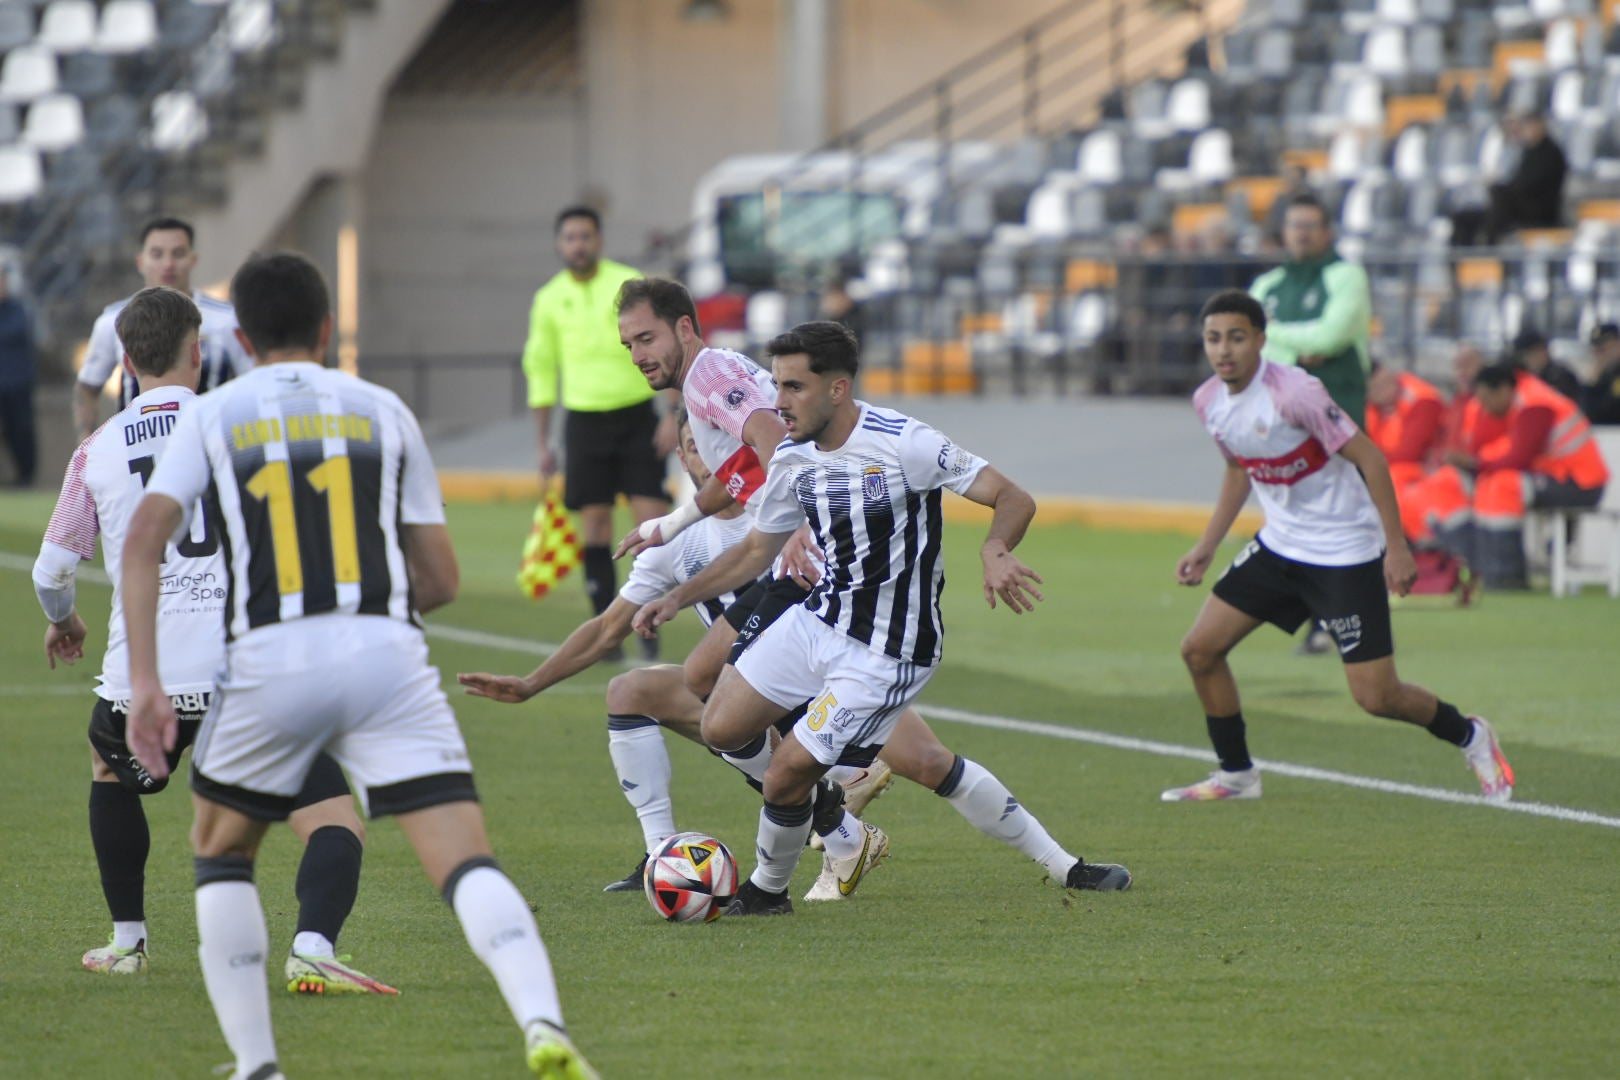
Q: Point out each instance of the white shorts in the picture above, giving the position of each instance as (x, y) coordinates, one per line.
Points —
(856, 694)
(357, 686)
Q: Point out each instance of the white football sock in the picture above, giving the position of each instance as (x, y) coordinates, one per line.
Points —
(642, 762)
(752, 765)
(782, 833)
(846, 838)
(502, 933)
(986, 802)
(230, 926)
(127, 935)
(310, 943)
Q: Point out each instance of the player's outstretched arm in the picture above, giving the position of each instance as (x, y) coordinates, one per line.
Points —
(431, 560)
(735, 568)
(590, 641)
(1235, 486)
(151, 727)
(1012, 509)
(1400, 569)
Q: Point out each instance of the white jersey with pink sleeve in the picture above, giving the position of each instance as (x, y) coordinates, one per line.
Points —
(104, 482)
(1286, 433)
(721, 391)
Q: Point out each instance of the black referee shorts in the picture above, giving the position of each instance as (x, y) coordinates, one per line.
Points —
(608, 454)
(1350, 602)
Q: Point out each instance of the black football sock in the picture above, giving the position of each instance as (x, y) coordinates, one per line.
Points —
(122, 841)
(1451, 725)
(601, 584)
(328, 881)
(1227, 735)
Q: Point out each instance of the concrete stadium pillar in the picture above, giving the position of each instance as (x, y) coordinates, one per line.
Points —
(806, 39)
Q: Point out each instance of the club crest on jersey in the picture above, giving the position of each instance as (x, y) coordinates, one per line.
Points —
(874, 487)
(735, 397)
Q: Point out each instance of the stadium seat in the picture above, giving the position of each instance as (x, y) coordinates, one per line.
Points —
(1210, 160)
(21, 176)
(1274, 54)
(178, 122)
(127, 26)
(1383, 52)
(250, 25)
(113, 121)
(1101, 159)
(9, 125)
(1410, 159)
(1563, 45)
(76, 171)
(55, 122)
(1187, 106)
(1398, 12)
(1426, 50)
(98, 223)
(16, 26)
(89, 75)
(28, 72)
(186, 26)
(67, 26)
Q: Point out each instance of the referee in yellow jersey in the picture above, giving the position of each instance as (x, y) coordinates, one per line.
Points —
(613, 440)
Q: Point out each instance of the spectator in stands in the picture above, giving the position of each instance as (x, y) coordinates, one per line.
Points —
(613, 440)
(1318, 307)
(840, 307)
(1546, 458)
(1530, 353)
(1603, 396)
(17, 371)
(1531, 198)
(1405, 419)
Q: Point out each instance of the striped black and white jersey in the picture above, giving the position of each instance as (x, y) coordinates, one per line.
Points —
(874, 506)
(311, 473)
(223, 357)
(659, 570)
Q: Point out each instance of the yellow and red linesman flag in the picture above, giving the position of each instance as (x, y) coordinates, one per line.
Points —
(551, 550)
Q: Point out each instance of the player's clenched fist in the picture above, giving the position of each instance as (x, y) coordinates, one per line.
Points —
(1190, 570)
(1006, 577)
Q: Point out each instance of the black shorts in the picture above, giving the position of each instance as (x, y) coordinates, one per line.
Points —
(107, 722)
(107, 728)
(608, 454)
(759, 605)
(1350, 602)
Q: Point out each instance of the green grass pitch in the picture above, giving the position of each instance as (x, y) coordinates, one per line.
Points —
(1322, 931)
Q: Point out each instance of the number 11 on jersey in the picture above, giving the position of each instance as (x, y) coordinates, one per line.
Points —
(273, 485)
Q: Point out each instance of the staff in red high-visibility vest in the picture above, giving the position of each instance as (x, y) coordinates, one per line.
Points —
(1405, 419)
(1545, 458)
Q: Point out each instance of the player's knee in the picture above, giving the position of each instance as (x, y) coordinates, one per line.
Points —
(699, 675)
(621, 694)
(1378, 698)
(1198, 656)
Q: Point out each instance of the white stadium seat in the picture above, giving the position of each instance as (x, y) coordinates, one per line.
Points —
(127, 26)
(20, 174)
(178, 122)
(1102, 158)
(68, 26)
(55, 122)
(28, 72)
(1210, 159)
(1188, 105)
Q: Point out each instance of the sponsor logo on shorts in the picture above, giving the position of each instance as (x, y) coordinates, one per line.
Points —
(843, 718)
(1346, 631)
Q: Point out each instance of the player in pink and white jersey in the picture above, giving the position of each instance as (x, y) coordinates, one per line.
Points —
(1331, 550)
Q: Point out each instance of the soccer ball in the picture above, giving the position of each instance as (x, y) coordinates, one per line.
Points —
(690, 877)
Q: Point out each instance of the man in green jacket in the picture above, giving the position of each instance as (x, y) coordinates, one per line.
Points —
(1318, 308)
(613, 441)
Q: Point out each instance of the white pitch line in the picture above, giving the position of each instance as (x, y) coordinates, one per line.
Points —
(1052, 731)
